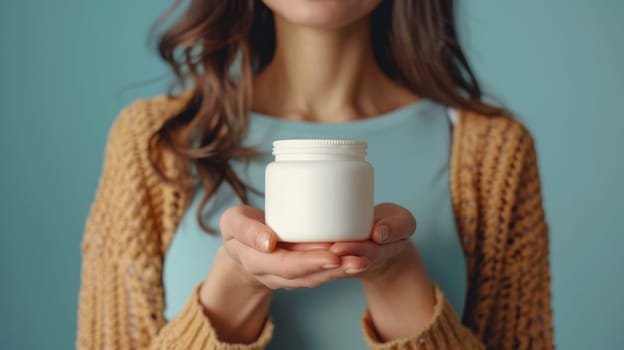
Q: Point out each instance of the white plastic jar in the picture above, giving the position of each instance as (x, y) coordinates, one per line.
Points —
(319, 191)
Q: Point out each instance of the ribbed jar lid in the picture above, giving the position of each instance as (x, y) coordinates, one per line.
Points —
(317, 142)
(319, 146)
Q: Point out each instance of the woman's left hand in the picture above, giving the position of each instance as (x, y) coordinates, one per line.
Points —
(389, 244)
(399, 293)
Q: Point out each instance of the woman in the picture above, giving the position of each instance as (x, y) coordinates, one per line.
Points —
(473, 275)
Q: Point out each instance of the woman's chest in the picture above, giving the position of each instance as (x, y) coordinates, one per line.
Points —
(411, 169)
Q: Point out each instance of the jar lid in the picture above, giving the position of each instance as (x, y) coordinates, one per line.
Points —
(319, 142)
(320, 146)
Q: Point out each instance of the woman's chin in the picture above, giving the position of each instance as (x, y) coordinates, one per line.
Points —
(322, 14)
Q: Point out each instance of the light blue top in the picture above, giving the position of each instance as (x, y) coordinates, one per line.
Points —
(409, 149)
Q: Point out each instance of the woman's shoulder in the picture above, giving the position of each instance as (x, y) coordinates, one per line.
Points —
(142, 117)
(128, 143)
(478, 133)
(489, 149)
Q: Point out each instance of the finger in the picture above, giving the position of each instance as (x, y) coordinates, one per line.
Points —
(304, 247)
(281, 262)
(372, 251)
(351, 266)
(392, 223)
(355, 264)
(246, 224)
(368, 249)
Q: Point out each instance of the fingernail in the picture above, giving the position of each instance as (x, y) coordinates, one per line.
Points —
(383, 231)
(330, 266)
(353, 271)
(263, 242)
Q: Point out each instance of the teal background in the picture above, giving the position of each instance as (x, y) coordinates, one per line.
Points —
(556, 63)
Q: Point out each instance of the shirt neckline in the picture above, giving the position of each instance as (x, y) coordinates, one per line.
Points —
(389, 118)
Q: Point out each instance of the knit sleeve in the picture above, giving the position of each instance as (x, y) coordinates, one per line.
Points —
(506, 235)
(444, 332)
(522, 313)
(121, 295)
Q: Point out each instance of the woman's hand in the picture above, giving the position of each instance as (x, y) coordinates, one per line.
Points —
(253, 246)
(400, 295)
(250, 264)
(389, 244)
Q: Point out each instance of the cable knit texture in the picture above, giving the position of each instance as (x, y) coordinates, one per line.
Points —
(498, 207)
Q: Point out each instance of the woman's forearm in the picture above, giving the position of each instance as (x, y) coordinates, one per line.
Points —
(401, 299)
(237, 307)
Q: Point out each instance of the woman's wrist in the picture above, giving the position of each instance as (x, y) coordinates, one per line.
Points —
(401, 298)
(235, 303)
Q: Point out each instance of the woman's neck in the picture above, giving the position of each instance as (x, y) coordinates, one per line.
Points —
(325, 75)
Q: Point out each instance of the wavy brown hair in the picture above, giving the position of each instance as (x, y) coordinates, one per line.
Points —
(415, 43)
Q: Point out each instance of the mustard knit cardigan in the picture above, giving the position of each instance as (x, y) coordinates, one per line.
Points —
(496, 197)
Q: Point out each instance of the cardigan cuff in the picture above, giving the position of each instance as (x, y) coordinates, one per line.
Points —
(444, 331)
(192, 330)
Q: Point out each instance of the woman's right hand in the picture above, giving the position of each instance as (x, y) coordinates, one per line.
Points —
(252, 245)
(236, 294)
